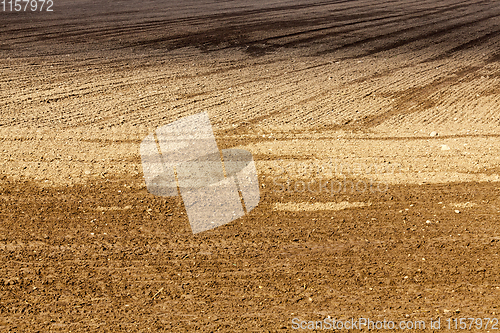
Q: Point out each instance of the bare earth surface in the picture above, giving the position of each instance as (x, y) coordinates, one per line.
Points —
(344, 93)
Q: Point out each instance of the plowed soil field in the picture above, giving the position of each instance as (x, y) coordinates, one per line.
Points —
(374, 126)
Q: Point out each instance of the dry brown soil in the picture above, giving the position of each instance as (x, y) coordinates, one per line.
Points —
(341, 91)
